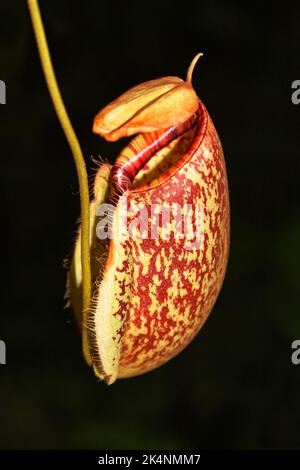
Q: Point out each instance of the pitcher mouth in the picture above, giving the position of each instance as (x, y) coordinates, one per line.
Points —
(179, 151)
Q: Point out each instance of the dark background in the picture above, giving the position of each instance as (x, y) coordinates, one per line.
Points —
(235, 385)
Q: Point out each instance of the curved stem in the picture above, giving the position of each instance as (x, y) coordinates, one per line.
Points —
(76, 151)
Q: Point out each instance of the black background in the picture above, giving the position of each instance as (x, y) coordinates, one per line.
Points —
(235, 385)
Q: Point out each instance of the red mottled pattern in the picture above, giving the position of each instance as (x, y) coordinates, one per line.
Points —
(173, 289)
